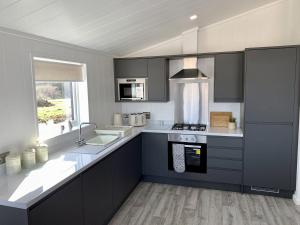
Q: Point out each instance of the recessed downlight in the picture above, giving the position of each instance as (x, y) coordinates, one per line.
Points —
(193, 17)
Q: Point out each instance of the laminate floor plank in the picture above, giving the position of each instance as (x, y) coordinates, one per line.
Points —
(161, 204)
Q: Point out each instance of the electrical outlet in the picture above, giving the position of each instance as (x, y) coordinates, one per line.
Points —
(148, 116)
(2, 157)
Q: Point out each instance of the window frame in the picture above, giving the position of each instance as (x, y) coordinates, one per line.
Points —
(75, 101)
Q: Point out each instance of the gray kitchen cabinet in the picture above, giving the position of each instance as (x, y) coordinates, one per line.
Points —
(131, 68)
(155, 154)
(228, 80)
(270, 81)
(224, 163)
(268, 151)
(97, 189)
(61, 208)
(127, 170)
(158, 80)
(271, 119)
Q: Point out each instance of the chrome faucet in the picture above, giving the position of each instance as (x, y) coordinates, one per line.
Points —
(81, 141)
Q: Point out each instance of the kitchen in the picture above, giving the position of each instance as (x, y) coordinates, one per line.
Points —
(147, 172)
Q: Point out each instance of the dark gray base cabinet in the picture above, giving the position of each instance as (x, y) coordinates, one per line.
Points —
(91, 198)
(155, 154)
(97, 184)
(127, 170)
(225, 163)
(61, 208)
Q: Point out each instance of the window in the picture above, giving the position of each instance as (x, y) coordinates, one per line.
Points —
(61, 96)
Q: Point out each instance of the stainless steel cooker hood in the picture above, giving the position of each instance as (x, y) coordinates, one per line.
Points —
(190, 71)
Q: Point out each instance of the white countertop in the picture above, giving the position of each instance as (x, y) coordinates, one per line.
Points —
(30, 186)
(210, 131)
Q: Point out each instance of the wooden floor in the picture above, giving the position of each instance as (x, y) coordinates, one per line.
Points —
(153, 204)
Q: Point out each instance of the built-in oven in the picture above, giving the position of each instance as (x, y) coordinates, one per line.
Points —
(187, 153)
(132, 89)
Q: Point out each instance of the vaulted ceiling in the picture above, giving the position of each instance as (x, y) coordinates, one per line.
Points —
(116, 26)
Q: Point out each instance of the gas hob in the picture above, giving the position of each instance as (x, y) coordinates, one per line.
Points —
(189, 127)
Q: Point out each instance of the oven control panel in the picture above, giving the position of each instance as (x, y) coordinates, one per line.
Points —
(187, 138)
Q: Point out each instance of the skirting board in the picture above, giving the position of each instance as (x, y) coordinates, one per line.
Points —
(296, 199)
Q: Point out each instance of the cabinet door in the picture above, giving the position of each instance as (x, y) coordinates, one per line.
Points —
(270, 85)
(228, 81)
(126, 171)
(158, 82)
(155, 154)
(97, 193)
(134, 68)
(267, 159)
(63, 207)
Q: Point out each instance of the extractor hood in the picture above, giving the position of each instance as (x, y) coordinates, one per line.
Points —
(190, 71)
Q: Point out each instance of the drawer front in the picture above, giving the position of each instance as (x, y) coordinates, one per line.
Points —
(225, 153)
(224, 164)
(231, 142)
(212, 175)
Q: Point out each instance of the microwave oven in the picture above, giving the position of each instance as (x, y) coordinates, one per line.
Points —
(132, 89)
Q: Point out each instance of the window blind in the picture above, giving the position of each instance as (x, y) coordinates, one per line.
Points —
(56, 71)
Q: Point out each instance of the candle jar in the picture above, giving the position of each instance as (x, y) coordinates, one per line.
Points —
(28, 158)
(13, 164)
(42, 153)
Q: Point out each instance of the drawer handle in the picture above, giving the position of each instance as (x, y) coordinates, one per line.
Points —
(267, 190)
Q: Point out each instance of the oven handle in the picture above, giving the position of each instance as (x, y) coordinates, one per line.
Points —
(131, 98)
(193, 146)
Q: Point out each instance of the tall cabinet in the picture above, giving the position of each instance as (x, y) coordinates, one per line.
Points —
(271, 119)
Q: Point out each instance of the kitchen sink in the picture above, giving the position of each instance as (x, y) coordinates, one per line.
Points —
(102, 140)
(96, 144)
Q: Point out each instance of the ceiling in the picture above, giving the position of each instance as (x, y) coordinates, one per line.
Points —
(118, 27)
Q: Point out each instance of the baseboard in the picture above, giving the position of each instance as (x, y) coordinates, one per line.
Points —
(296, 199)
(193, 183)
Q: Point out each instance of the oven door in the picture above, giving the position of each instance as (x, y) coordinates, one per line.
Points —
(195, 158)
(132, 89)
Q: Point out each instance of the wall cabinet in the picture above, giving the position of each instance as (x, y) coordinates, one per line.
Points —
(271, 118)
(97, 184)
(158, 80)
(155, 69)
(155, 154)
(131, 68)
(228, 80)
(61, 208)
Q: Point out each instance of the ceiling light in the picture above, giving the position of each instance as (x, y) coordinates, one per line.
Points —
(193, 17)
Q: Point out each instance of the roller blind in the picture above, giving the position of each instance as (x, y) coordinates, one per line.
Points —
(56, 71)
